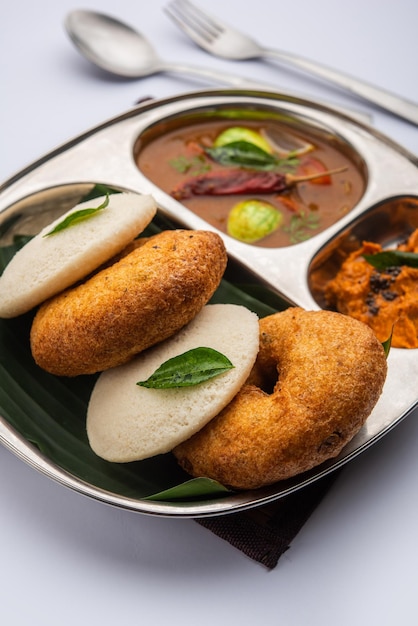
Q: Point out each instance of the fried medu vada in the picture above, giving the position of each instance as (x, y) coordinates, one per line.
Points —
(316, 379)
(135, 303)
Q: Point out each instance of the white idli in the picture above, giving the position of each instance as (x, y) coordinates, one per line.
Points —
(126, 422)
(46, 266)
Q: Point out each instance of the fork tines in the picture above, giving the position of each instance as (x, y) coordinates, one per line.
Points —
(194, 22)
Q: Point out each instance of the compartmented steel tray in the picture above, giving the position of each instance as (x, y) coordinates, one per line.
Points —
(386, 211)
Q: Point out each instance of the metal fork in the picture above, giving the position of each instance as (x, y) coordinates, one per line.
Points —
(222, 40)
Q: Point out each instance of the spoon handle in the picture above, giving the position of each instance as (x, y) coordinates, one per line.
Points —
(382, 98)
(246, 83)
(213, 75)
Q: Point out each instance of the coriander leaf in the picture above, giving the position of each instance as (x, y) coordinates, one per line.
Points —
(188, 369)
(77, 216)
(194, 166)
(392, 258)
(299, 224)
(182, 164)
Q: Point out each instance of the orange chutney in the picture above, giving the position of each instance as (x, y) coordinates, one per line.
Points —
(384, 300)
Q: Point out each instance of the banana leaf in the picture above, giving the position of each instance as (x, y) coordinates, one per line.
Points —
(50, 412)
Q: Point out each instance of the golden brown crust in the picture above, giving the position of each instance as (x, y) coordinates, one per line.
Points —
(331, 373)
(139, 301)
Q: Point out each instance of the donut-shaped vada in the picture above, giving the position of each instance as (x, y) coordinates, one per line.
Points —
(317, 378)
(140, 300)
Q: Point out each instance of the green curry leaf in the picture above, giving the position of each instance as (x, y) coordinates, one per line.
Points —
(246, 154)
(188, 369)
(77, 216)
(392, 258)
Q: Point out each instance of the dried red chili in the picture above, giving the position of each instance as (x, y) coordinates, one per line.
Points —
(233, 182)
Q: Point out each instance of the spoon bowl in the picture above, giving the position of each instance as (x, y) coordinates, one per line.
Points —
(112, 45)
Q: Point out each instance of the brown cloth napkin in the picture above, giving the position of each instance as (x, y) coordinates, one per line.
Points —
(265, 533)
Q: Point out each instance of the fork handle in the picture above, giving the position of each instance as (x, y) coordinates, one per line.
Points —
(401, 107)
(216, 76)
(246, 83)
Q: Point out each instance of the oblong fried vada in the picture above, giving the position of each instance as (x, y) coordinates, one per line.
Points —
(48, 264)
(139, 301)
(317, 378)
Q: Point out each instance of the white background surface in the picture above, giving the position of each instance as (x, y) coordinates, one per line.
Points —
(68, 560)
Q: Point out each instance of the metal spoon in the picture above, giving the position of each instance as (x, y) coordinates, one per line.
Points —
(119, 49)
